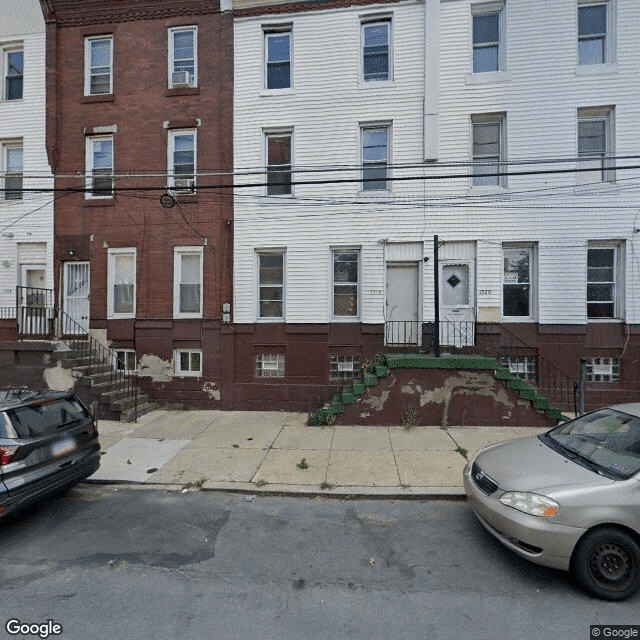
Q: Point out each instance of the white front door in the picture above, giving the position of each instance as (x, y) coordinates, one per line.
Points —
(457, 308)
(76, 298)
(402, 326)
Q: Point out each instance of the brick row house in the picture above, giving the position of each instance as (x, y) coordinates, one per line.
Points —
(139, 136)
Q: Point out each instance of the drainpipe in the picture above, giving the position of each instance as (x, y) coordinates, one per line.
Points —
(436, 300)
(431, 79)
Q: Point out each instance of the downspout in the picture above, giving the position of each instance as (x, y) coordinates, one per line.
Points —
(431, 79)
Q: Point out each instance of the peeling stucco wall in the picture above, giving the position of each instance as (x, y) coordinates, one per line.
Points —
(156, 368)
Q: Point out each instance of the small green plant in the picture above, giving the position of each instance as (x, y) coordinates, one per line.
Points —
(195, 485)
(409, 417)
(326, 485)
(463, 452)
(261, 482)
(303, 464)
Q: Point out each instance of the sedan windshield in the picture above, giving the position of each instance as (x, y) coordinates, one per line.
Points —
(607, 441)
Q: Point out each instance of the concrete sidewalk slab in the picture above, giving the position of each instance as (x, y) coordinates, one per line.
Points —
(430, 468)
(472, 439)
(361, 439)
(363, 468)
(281, 467)
(295, 437)
(420, 439)
(130, 459)
(184, 425)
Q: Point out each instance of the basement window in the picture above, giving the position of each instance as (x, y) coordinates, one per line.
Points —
(125, 360)
(602, 370)
(270, 365)
(344, 367)
(188, 362)
(521, 366)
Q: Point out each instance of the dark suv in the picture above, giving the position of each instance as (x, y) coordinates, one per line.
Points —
(48, 443)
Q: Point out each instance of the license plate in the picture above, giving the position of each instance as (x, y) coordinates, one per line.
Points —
(63, 447)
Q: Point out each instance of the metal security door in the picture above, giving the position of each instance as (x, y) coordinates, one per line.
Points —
(76, 298)
(457, 321)
(401, 325)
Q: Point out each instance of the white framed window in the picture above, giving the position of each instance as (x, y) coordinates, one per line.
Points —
(183, 57)
(602, 370)
(344, 367)
(596, 37)
(125, 360)
(12, 167)
(345, 285)
(271, 284)
(99, 167)
(375, 145)
(98, 65)
(12, 71)
(518, 282)
(270, 365)
(188, 362)
(488, 150)
(187, 282)
(375, 36)
(278, 57)
(596, 145)
(121, 283)
(279, 152)
(604, 278)
(487, 37)
(182, 160)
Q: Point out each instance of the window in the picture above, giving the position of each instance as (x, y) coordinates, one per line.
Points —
(182, 161)
(270, 365)
(603, 275)
(271, 284)
(99, 176)
(278, 164)
(517, 281)
(593, 37)
(183, 57)
(522, 366)
(488, 150)
(376, 51)
(187, 271)
(602, 370)
(375, 158)
(121, 282)
(13, 63)
(13, 170)
(344, 367)
(277, 45)
(346, 269)
(125, 360)
(595, 145)
(487, 36)
(188, 362)
(98, 65)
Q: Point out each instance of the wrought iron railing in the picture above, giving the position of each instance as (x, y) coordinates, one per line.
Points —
(35, 312)
(402, 334)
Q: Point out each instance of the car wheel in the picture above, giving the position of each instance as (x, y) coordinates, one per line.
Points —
(606, 563)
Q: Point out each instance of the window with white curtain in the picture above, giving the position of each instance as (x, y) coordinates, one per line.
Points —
(121, 276)
(187, 282)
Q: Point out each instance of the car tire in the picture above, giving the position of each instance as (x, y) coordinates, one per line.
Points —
(606, 563)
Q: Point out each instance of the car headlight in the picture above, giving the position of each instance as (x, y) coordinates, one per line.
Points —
(532, 503)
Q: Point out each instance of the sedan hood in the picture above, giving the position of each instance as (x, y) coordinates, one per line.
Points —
(526, 464)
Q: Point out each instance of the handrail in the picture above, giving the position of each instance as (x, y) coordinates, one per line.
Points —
(98, 356)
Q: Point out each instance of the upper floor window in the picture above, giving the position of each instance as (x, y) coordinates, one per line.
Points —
(604, 269)
(182, 160)
(277, 48)
(517, 281)
(346, 283)
(187, 272)
(98, 74)
(271, 284)
(183, 57)
(594, 33)
(376, 51)
(13, 170)
(595, 145)
(488, 37)
(121, 282)
(13, 71)
(488, 150)
(99, 167)
(278, 164)
(375, 158)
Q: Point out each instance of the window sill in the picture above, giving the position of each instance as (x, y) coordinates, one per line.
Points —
(278, 92)
(186, 374)
(605, 320)
(488, 77)
(187, 316)
(596, 69)
(270, 320)
(375, 84)
(375, 193)
(346, 319)
(184, 198)
(182, 91)
(106, 97)
(516, 319)
(121, 316)
(100, 202)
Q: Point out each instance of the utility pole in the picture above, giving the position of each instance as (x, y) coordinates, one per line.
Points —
(436, 299)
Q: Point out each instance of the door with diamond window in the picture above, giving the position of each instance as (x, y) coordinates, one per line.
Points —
(457, 308)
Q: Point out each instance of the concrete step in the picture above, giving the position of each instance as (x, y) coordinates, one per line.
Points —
(129, 414)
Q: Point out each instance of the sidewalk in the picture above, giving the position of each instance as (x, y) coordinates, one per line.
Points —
(274, 452)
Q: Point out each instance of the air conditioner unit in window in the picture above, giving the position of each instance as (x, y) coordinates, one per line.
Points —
(181, 79)
(183, 184)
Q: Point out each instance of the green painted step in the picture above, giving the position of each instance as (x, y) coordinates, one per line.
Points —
(422, 361)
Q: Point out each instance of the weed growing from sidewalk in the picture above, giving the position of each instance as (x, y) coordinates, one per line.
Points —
(409, 417)
(463, 452)
(325, 486)
(195, 485)
(261, 482)
(303, 464)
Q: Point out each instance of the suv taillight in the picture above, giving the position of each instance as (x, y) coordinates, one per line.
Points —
(6, 455)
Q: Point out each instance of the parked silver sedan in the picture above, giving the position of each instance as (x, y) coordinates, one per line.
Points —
(569, 498)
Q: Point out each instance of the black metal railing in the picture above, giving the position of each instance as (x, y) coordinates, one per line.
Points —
(96, 359)
(34, 312)
(403, 335)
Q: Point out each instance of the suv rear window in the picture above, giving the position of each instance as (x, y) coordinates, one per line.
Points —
(45, 417)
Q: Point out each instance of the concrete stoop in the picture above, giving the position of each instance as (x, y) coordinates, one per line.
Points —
(451, 390)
